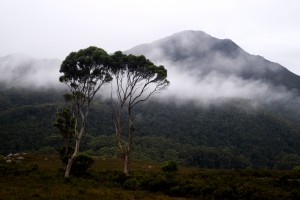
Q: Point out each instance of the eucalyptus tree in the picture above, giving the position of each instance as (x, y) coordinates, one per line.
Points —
(84, 73)
(135, 80)
(65, 123)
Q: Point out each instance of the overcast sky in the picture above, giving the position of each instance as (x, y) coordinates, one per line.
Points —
(54, 28)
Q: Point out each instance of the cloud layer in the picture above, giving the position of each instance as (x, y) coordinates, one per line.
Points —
(206, 70)
(25, 72)
(215, 87)
(201, 69)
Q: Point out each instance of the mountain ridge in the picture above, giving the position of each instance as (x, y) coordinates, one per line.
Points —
(198, 50)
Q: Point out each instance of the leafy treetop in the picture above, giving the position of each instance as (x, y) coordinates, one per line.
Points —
(86, 71)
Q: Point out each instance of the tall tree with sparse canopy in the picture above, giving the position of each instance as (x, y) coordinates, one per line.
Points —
(135, 79)
(84, 72)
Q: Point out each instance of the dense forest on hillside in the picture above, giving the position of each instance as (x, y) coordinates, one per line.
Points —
(229, 135)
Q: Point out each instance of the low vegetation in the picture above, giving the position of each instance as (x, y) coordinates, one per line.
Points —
(40, 176)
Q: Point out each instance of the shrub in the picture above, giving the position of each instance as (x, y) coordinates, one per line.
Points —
(169, 166)
(65, 155)
(131, 184)
(2, 160)
(34, 167)
(296, 168)
(81, 164)
(154, 183)
(117, 176)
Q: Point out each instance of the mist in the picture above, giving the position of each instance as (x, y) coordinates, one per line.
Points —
(20, 71)
(206, 70)
(201, 69)
(215, 87)
(186, 84)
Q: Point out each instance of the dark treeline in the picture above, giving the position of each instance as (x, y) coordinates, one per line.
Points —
(223, 136)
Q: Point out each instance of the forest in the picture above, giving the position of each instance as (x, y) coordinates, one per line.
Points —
(195, 150)
(189, 134)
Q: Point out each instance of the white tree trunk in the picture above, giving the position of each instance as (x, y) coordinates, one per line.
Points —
(73, 157)
(126, 165)
(69, 166)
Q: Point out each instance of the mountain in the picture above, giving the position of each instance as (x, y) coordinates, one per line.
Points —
(196, 50)
(224, 108)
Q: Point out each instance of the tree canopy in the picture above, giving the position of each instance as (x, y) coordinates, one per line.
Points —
(135, 79)
(84, 72)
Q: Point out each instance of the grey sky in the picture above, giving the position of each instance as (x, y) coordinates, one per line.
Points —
(53, 28)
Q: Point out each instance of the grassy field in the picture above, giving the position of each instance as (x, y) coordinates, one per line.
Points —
(41, 177)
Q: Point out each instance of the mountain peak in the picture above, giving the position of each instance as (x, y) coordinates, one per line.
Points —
(191, 34)
(197, 50)
(186, 45)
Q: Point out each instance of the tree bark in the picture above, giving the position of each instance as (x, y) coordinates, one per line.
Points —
(69, 166)
(126, 165)
(73, 157)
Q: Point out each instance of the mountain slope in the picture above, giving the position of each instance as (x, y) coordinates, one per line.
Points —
(196, 50)
(220, 136)
(224, 108)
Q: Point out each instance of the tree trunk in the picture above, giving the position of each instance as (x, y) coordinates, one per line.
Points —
(126, 165)
(69, 166)
(73, 157)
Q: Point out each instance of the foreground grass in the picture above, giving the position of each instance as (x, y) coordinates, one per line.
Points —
(39, 177)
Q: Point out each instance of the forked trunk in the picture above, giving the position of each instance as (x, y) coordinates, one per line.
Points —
(126, 165)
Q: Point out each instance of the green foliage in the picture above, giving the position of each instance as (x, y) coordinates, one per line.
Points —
(65, 153)
(117, 176)
(136, 79)
(47, 150)
(65, 123)
(154, 182)
(231, 136)
(36, 179)
(84, 72)
(287, 161)
(169, 166)
(131, 184)
(2, 160)
(81, 164)
(85, 66)
(296, 168)
(138, 66)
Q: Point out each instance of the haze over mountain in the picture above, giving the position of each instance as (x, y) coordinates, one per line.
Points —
(201, 68)
(21, 71)
(248, 114)
(206, 68)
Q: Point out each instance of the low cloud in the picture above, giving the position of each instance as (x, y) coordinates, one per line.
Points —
(204, 75)
(207, 70)
(206, 89)
(20, 71)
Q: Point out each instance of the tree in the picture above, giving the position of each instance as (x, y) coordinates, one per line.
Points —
(84, 72)
(65, 123)
(135, 80)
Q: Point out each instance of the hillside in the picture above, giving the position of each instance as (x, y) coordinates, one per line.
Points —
(225, 108)
(220, 136)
